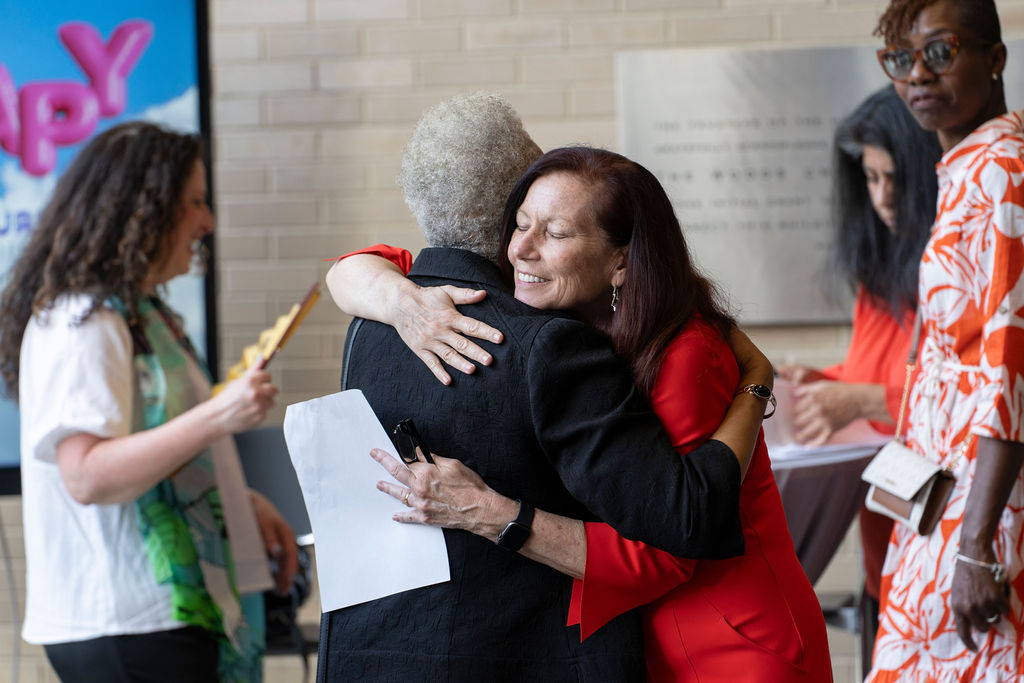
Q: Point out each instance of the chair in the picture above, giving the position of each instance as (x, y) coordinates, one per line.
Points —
(268, 469)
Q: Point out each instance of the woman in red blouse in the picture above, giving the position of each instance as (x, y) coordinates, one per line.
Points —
(593, 233)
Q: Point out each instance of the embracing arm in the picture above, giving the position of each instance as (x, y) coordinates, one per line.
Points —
(625, 573)
(607, 445)
(370, 286)
(367, 285)
(449, 494)
(742, 424)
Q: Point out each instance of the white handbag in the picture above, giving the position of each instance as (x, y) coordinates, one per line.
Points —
(904, 485)
(907, 487)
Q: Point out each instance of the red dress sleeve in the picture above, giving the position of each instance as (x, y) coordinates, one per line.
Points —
(695, 385)
(400, 257)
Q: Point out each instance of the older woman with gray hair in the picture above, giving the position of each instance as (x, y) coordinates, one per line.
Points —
(455, 190)
(555, 419)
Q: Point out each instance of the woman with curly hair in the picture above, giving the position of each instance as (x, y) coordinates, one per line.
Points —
(952, 605)
(128, 468)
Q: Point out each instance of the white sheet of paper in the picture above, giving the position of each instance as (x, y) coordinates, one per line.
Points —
(361, 553)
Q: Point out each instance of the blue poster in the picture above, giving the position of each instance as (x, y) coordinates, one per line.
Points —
(69, 70)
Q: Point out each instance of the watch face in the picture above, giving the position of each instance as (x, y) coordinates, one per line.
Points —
(761, 391)
(513, 537)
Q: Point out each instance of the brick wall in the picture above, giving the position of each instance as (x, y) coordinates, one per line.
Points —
(314, 99)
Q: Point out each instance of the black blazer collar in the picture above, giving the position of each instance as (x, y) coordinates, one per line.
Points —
(458, 264)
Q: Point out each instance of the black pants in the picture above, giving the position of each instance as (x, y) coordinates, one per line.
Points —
(184, 654)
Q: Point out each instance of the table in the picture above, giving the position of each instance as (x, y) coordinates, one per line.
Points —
(821, 494)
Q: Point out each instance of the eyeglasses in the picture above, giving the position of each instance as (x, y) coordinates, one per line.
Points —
(937, 54)
(407, 438)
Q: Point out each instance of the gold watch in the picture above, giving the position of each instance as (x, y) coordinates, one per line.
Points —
(764, 393)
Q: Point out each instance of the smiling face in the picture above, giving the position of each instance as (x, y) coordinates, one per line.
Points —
(194, 221)
(878, 175)
(561, 257)
(956, 102)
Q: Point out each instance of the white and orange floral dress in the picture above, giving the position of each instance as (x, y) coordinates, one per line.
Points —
(970, 384)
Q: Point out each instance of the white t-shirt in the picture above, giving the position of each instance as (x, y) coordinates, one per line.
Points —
(88, 574)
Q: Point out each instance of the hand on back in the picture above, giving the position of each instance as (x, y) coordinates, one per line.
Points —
(431, 326)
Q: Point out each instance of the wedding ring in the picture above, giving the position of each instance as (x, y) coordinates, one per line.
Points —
(405, 502)
(993, 619)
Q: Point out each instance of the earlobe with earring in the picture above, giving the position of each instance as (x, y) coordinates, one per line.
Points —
(615, 298)
(995, 77)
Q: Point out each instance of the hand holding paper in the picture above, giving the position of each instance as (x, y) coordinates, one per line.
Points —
(361, 553)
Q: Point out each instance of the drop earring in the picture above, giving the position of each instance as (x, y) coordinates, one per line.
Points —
(615, 298)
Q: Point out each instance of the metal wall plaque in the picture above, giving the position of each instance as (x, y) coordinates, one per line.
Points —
(741, 141)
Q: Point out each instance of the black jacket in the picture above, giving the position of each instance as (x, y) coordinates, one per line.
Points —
(554, 420)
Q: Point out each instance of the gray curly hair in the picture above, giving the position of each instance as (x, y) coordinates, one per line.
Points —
(463, 159)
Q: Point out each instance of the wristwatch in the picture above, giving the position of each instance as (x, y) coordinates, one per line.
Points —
(518, 530)
(762, 392)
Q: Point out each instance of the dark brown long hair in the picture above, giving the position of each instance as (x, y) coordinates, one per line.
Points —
(663, 289)
(865, 252)
(106, 224)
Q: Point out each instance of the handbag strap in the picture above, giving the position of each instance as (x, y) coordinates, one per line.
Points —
(911, 363)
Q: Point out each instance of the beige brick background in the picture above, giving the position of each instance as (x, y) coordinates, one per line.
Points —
(314, 99)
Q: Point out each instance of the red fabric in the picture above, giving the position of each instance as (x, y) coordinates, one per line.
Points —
(400, 257)
(878, 355)
(751, 618)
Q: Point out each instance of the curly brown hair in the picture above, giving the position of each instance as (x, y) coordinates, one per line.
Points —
(105, 226)
(977, 16)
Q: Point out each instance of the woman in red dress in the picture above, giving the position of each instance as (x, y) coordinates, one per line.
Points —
(592, 232)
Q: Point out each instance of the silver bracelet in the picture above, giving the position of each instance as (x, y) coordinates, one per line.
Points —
(997, 569)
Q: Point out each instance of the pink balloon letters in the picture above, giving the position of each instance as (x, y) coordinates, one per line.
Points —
(46, 114)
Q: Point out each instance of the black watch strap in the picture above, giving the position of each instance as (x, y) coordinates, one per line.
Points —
(518, 530)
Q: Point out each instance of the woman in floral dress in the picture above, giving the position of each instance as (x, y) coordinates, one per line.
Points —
(950, 614)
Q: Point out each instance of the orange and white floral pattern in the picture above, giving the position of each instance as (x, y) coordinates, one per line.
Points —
(970, 382)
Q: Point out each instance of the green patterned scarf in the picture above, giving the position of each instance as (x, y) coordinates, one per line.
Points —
(181, 518)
